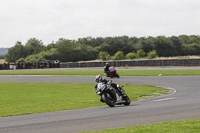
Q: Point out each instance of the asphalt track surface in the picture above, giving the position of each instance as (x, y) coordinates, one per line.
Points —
(183, 103)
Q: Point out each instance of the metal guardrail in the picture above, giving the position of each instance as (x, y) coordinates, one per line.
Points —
(119, 63)
(132, 63)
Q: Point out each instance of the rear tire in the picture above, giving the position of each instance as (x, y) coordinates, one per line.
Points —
(108, 99)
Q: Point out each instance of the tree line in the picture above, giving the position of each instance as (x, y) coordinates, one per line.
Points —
(106, 48)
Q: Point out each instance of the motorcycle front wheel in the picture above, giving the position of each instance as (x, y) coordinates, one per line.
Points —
(108, 99)
(117, 75)
(127, 101)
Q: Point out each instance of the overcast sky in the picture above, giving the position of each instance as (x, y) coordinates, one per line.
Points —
(49, 20)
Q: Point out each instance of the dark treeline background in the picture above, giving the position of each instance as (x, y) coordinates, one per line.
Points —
(88, 48)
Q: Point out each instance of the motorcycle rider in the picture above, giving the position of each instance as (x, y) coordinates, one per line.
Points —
(99, 78)
(106, 69)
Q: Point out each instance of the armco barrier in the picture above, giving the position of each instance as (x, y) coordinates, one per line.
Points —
(132, 63)
(120, 63)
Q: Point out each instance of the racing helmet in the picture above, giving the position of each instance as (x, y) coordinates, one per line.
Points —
(107, 64)
(98, 78)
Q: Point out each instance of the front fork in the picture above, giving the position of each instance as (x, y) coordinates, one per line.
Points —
(121, 90)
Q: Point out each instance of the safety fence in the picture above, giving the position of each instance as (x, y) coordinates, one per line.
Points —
(120, 63)
(133, 63)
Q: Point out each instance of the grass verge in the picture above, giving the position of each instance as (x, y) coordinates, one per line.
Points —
(29, 98)
(96, 72)
(184, 126)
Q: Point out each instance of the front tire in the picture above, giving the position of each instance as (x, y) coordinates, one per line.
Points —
(117, 75)
(108, 99)
(127, 101)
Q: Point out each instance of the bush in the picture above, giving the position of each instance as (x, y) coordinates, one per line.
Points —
(152, 54)
(36, 57)
(32, 60)
(131, 56)
(104, 56)
(118, 56)
(140, 53)
(21, 60)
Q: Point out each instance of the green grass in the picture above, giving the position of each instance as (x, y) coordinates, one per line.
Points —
(184, 126)
(95, 72)
(28, 98)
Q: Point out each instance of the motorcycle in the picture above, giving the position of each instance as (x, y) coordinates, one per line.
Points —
(112, 73)
(111, 96)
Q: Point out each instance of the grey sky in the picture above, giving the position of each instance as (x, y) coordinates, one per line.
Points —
(49, 20)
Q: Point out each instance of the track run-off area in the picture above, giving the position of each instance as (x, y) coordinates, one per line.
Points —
(181, 104)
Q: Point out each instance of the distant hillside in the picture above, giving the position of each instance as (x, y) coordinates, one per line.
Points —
(3, 50)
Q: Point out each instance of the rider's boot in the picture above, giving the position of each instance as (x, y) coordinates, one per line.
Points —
(101, 100)
(106, 74)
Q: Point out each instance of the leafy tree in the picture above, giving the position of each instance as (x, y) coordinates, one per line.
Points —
(87, 52)
(164, 46)
(194, 39)
(90, 48)
(74, 51)
(93, 42)
(176, 45)
(67, 50)
(191, 49)
(103, 47)
(147, 44)
(184, 39)
(118, 44)
(50, 46)
(34, 46)
(137, 46)
(16, 52)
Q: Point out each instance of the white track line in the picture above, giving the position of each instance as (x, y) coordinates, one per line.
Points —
(164, 99)
(169, 88)
(174, 91)
(169, 98)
